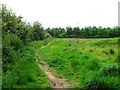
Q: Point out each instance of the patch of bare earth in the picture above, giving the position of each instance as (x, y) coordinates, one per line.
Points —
(55, 81)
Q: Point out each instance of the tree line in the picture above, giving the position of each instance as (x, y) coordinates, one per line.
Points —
(87, 32)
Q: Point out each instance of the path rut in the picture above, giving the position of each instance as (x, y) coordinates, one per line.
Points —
(55, 81)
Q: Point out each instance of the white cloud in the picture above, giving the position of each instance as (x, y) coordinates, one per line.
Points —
(62, 13)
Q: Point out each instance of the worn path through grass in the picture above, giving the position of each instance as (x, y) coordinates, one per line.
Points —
(55, 81)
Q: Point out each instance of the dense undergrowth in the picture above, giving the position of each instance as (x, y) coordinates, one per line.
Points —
(25, 72)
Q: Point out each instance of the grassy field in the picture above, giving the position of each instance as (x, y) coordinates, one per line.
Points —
(85, 63)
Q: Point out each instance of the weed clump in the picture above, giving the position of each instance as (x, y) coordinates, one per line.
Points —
(77, 41)
(91, 50)
(86, 57)
(69, 44)
(112, 51)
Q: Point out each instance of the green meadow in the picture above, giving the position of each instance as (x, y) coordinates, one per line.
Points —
(85, 63)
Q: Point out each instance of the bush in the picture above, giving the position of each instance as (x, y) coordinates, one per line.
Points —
(10, 53)
(9, 59)
(12, 40)
(15, 42)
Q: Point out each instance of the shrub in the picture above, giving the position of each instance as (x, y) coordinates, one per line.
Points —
(10, 53)
(15, 42)
(12, 40)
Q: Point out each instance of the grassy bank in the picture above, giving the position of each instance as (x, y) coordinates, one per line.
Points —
(86, 63)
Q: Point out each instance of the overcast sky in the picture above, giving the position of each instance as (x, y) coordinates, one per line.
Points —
(63, 13)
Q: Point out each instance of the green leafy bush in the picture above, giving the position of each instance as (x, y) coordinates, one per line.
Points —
(15, 42)
(11, 45)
